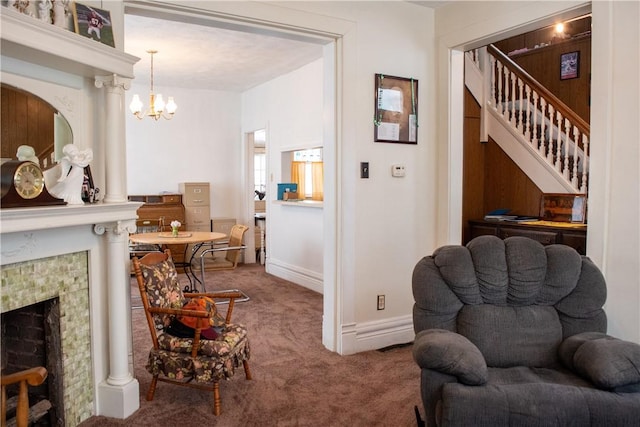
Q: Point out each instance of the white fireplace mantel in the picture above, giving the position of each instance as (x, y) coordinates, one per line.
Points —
(30, 219)
(100, 230)
(35, 52)
(33, 41)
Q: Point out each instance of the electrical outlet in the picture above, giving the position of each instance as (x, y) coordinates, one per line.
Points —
(380, 302)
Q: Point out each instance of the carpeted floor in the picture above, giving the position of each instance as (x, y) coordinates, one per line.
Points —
(296, 381)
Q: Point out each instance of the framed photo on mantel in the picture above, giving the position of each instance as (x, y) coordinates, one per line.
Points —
(93, 23)
(396, 109)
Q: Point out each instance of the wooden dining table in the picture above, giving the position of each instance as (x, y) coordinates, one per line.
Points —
(195, 238)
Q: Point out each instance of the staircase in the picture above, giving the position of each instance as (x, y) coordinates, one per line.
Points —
(547, 140)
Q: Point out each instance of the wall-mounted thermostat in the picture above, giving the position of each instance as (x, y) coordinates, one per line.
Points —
(397, 170)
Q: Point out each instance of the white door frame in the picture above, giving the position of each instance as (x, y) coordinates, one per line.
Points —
(339, 306)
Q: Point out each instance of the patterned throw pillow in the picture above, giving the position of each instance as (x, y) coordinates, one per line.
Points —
(163, 289)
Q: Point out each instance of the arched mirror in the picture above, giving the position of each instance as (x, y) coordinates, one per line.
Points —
(29, 120)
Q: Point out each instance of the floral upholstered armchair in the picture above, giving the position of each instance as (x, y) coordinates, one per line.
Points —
(200, 356)
(512, 333)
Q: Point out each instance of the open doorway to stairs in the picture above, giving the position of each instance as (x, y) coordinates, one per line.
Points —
(488, 162)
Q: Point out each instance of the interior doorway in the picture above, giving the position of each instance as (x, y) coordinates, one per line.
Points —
(319, 33)
(257, 174)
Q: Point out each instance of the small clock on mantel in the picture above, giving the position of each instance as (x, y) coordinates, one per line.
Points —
(23, 186)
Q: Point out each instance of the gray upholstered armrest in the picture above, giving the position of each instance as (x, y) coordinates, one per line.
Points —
(608, 362)
(450, 353)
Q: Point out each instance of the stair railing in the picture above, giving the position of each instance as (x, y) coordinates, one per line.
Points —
(556, 132)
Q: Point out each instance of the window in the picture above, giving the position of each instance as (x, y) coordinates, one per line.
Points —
(307, 171)
(260, 170)
(259, 163)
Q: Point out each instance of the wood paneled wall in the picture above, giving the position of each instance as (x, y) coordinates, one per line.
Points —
(25, 120)
(544, 35)
(473, 165)
(491, 180)
(506, 185)
(544, 65)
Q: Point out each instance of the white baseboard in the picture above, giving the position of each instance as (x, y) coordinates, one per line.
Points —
(377, 334)
(355, 338)
(300, 276)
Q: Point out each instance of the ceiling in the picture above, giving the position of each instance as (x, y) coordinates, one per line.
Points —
(198, 56)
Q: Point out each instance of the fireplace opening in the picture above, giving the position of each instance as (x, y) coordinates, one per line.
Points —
(31, 337)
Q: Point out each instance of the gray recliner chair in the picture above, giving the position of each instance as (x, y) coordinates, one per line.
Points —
(512, 333)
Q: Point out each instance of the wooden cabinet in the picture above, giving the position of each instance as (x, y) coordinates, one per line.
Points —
(195, 196)
(160, 206)
(158, 211)
(545, 234)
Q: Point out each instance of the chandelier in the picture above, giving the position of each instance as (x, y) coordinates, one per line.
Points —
(157, 107)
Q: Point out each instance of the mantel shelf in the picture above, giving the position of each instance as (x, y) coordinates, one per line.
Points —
(29, 39)
(40, 218)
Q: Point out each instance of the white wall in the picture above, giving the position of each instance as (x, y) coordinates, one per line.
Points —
(202, 143)
(290, 109)
(380, 227)
(614, 198)
(384, 225)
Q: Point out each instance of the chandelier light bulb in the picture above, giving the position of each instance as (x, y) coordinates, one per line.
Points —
(171, 106)
(136, 105)
(159, 105)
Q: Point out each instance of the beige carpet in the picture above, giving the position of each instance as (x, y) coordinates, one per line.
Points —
(296, 381)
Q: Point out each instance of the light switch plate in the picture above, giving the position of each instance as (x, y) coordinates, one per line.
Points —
(364, 169)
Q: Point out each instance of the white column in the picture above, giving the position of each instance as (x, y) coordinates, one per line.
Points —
(115, 149)
(118, 395)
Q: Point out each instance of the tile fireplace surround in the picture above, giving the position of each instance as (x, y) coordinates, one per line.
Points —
(66, 277)
(85, 81)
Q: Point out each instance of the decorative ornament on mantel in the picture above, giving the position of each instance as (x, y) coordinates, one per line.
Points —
(157, 107)
(71, 177)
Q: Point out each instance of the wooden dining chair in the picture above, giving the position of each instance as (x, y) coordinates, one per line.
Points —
(231, 249)
(146, 226)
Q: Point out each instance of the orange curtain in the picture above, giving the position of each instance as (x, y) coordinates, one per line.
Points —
(317, 171)
(297, 177)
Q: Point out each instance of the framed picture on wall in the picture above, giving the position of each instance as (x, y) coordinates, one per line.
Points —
(562, 207)
(396, 109)
(93, 23)
(569, 65)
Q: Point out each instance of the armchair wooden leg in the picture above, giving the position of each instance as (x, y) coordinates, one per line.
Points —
(247, 371)
(152, 387)
(3, 412)
(216, 399)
